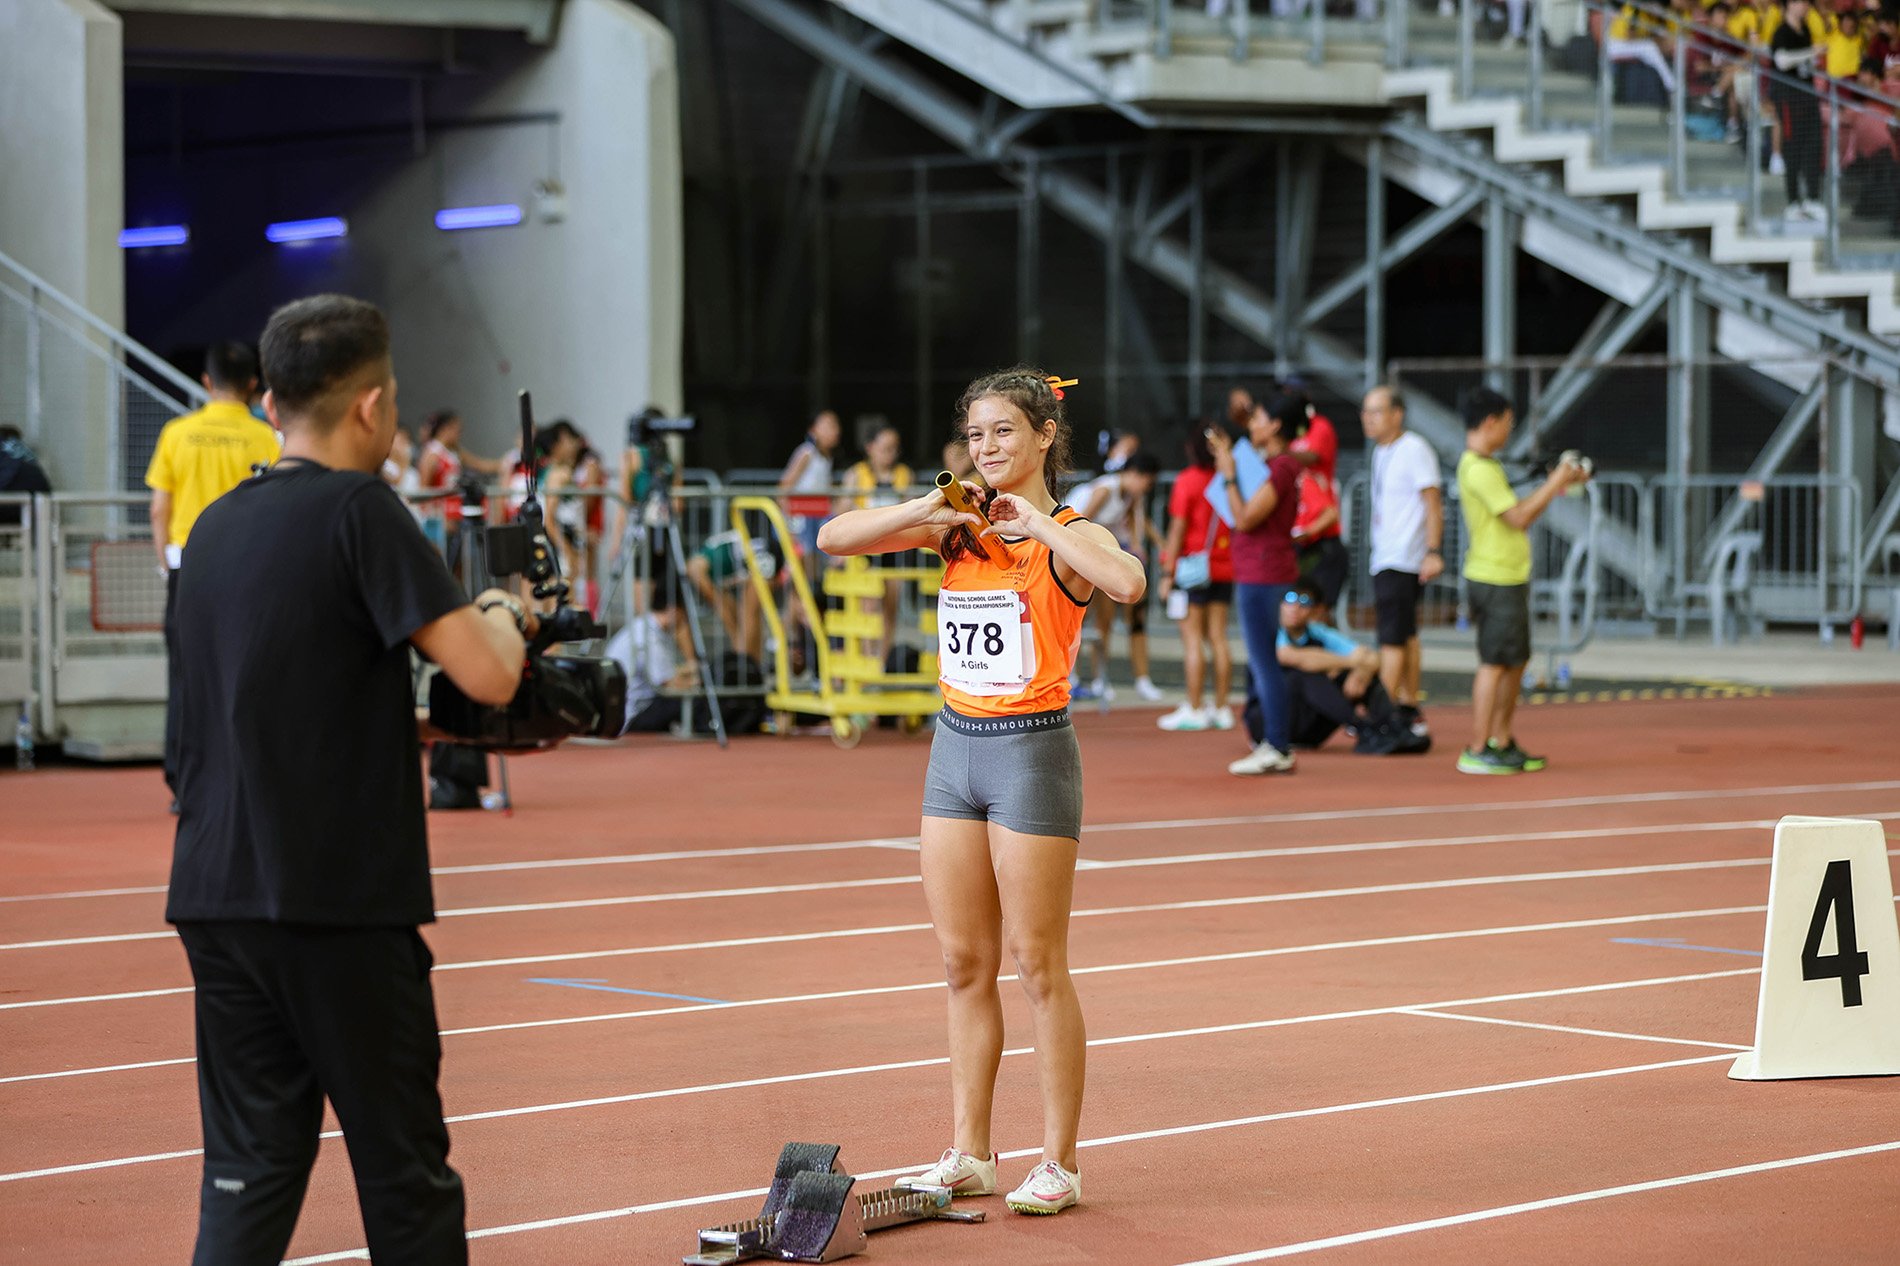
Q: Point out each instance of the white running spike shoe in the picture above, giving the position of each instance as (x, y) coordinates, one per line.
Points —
(1185, 718)
(962, 1173)
(1048, 1189)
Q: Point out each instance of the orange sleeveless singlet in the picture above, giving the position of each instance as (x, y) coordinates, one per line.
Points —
(1050, 630)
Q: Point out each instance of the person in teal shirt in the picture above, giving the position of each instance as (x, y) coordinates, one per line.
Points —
(1497, 570)
(1333, 682)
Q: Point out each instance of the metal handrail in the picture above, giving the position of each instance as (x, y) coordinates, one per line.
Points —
(45, 290)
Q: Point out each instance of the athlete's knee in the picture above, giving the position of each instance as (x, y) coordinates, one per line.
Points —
(1042, 966)
(970, 966)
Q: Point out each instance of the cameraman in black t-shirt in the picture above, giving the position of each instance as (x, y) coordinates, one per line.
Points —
(301, 868)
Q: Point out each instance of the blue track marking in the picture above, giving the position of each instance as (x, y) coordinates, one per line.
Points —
(1676, 942)
(604, 987)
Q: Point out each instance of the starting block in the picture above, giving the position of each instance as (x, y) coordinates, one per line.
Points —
(810, 1215)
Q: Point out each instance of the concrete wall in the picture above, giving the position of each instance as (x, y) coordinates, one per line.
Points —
(61, 202)
(586, 312)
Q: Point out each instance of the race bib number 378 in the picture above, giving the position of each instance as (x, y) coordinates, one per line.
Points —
(982, 641)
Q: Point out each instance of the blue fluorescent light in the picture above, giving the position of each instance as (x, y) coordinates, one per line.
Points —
(154, 235)
(306, 230)
(494, 217)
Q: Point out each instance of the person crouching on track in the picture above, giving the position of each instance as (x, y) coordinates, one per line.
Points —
(1002, 812)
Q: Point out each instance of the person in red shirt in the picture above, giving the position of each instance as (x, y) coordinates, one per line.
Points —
(1265, 566)
(1194, 531)
(1316, 529)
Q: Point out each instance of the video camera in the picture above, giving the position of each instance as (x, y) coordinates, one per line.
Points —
(560, 696)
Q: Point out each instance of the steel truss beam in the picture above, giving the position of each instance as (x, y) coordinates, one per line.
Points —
(1613, 330)
(1412, 239)
(1230, 296)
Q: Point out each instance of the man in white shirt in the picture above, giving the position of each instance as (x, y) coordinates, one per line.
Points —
(1407, 528)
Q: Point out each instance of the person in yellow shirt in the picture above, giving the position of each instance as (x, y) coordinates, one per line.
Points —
(1744, 23)
(1497, 570)
(881, 479)
(200, 457)
(1844, 47)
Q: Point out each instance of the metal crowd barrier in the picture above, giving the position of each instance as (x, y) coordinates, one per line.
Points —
(1733, 550)
(82, 600)
(19, 605)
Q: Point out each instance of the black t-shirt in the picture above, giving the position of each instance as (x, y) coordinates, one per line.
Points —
(299, 771)
(1791, 37)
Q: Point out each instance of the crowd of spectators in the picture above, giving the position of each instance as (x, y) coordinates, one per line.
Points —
(1790, 67)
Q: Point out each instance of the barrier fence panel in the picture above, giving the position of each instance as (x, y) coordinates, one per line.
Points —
(103, 612)
(18, 606)
(1742, 552)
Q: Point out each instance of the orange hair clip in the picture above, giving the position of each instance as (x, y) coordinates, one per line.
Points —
(1057, 383)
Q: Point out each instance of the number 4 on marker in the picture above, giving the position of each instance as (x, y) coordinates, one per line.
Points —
(1848, 962)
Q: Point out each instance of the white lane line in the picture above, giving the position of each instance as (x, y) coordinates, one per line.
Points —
(95, 997)
(89, 892)
(1567, 1028)
(1438, 841)
(905, 843)
(1567, 802)
(1227, 957)
(115, 939)
(909, 843)
(826, 1074)
(108, 1068)
(1178, 859)
(1106, 1141)
(1530, 1206)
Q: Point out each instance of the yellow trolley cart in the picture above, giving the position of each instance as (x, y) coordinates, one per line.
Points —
(851, 686)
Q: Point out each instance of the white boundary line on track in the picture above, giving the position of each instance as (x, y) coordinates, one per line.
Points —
(1177, 859)
(1415, 938)
(827, 1074)
(908, 843)
(1528, 1206)
(1566, 1028)
(1107, 1141)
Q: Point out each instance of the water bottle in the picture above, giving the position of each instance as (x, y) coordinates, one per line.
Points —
(23, 742)
(1563, 674)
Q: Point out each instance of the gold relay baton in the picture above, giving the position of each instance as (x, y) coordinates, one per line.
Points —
(959, 498)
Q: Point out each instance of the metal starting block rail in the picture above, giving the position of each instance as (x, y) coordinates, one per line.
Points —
(810, 1214)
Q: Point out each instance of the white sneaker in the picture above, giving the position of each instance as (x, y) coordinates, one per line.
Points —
(1186, 718)
(1815, 210)
(962, 1173)
(1222, 717)
(1511, 41)
(1048, 1189)
(1775, 166)
(1265, 759)
(1147, 690)
(1101, 689)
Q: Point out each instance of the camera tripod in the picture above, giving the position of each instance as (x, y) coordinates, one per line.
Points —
(636, 553)
(467, 548)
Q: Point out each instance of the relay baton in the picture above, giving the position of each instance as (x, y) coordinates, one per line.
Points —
(959, 498)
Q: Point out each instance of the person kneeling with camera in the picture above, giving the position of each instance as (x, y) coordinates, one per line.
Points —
(300, 871)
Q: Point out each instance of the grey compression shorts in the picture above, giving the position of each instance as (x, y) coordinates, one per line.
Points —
(1020, 772)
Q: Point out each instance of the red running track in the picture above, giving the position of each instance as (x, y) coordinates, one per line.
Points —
(1370, 1010)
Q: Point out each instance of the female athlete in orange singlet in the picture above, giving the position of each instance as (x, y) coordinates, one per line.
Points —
(1002, 807)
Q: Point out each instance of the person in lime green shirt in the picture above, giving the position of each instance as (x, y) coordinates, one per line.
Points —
(1497, 572)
